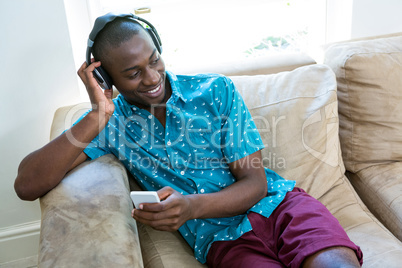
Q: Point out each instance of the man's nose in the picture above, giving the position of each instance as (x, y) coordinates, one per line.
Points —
(151, 77)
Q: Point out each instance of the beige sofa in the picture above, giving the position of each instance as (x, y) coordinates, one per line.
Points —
(86, 219)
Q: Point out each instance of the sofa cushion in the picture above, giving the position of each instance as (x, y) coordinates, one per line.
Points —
(370, 95)
(380, 187)
(380, 248)
(296, 114)
(65, 116)
(165, 249)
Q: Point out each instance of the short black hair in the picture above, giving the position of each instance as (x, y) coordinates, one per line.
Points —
(113, 35)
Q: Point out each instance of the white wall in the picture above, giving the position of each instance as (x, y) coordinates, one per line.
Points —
(351, 19)
(376, 17)
(339, 20)
(37, 75)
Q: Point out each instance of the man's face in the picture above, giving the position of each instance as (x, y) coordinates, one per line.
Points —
(138, 71)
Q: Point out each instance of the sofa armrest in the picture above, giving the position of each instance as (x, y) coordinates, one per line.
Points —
(86, 219)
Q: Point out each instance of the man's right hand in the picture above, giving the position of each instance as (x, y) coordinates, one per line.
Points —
(101, 100)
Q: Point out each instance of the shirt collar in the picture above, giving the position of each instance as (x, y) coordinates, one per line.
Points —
(174, 84)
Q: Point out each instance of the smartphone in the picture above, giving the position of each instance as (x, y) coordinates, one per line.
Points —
(139, 197)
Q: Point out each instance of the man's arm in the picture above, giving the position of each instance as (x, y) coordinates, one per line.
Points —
(250, 187)
(42, 170)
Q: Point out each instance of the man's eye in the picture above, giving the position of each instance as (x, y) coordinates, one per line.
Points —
(155, 61)
(134, 75)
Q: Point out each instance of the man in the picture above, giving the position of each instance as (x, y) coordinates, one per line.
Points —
(192, 139)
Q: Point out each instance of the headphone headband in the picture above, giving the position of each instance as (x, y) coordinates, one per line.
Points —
(100, 23)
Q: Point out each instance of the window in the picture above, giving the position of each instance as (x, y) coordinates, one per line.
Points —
(213, 31)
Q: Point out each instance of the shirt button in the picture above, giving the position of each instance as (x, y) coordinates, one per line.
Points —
(202, 191)
(182, 172)
(169, 143)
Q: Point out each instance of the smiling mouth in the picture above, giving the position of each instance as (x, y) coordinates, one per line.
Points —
(154, 92)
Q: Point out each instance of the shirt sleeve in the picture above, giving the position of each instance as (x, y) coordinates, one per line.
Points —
(240, 136)
(97, 147)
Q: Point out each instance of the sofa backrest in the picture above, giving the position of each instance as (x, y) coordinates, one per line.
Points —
(296, 113)
(369, 77)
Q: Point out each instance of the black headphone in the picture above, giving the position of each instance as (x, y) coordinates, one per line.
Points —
(100, 74)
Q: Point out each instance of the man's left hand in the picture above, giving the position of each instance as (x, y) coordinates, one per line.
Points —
(168, 215)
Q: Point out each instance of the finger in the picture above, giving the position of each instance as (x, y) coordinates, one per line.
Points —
(92, 66)
(156, 215)
(87, 76)
(165, 224)
(153, 207)
(142, 215)
(109, 93)
(85, 71)
(83, 67)
(165, 192)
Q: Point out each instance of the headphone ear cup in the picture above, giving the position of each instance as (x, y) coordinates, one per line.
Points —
(103, 78)
(155, 40)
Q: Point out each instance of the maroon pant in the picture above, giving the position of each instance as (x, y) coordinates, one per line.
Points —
(299, 227)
